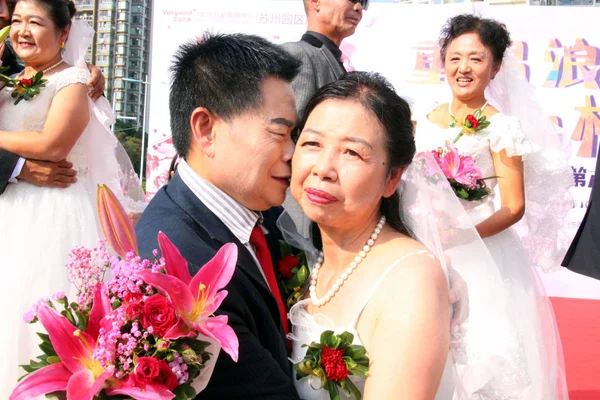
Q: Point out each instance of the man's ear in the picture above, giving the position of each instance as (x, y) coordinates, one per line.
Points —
(393, 181)
(203, 124)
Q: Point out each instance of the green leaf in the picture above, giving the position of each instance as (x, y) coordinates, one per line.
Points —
(334, 392)
(477, 113)
(285, 248)
(44, 336)
(184, 392)
(4, 33)
(67, 313)
(53, 360)
(352, 389)
(47, 348)
(325, 336)
(346, 339)
(37, 77)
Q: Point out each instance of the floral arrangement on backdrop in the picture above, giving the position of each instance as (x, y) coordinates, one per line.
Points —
(147, 333)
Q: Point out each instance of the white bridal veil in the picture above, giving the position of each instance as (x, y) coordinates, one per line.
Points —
(109, 163)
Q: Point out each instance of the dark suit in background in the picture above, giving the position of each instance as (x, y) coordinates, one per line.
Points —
(321, 65)
(8, 161)
(583, 256)
(263, 370)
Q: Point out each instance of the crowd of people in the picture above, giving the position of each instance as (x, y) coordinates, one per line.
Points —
(282, 142)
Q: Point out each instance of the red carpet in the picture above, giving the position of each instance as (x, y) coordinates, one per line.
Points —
(579, 327)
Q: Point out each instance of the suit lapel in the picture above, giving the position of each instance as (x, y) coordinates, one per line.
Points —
(333, 63)
(214, 231)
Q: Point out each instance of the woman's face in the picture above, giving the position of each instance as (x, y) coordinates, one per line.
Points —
(469, 67)
(340, 167)
(33, 33)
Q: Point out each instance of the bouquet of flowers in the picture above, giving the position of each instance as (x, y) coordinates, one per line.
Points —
(463, 175)
(333, 360)
(471, 124)
(293, 269)
(25, 88)
(148, 333)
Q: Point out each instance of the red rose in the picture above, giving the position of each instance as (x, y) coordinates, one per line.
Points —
(146, 369)
(158, 314)
(334, 364)
(134, 311)
(473, 121)
(166, 376)
(286, 265)
(133, 297)
(26, 81)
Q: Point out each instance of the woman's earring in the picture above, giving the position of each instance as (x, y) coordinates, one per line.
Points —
(62, 46)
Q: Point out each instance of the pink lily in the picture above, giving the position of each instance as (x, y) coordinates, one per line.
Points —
(150, 392)
(77, 373)
(115, 223)
(460, 168)
(196, 299)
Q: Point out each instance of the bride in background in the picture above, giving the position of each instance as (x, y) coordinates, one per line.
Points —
(473, 52)
(40, 225)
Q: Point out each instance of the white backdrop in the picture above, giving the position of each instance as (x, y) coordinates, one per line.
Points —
(559, 48)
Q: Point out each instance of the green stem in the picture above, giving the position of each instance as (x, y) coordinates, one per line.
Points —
(458, 137)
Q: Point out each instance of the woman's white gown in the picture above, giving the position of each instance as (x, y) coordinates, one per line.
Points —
(537, 372)
(38, 228)
(306, 329)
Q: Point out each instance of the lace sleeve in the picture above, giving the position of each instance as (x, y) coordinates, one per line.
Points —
(507, 134)
(72, 76)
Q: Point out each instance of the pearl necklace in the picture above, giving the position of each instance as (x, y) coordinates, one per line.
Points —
(318, 302)
(453, 123)
(50, 68)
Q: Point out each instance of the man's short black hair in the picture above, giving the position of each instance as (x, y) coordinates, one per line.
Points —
(223, 73)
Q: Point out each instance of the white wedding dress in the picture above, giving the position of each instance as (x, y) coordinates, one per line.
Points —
(307, 328)
(535, 370)
(39, 226)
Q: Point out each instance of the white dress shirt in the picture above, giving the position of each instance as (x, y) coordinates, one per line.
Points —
(17, 170)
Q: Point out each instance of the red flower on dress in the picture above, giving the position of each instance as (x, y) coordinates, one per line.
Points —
(286, 265)
(473, 121)
(334, 364)
(26, 81)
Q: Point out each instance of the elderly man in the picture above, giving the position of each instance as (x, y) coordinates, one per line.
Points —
(232, 116)
(39, 173)
(329, 22)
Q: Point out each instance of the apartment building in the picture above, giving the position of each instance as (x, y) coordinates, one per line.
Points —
(121, 49)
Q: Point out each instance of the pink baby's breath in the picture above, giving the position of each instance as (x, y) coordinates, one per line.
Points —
(86, 268)
(179, 368)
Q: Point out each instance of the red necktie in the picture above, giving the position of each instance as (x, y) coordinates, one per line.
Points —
(258, 240)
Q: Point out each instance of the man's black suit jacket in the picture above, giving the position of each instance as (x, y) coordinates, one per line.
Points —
(584, 254)
(8, 161)
(263, 370)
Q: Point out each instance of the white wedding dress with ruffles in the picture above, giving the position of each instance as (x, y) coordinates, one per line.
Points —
(307, 328)
(535, 370)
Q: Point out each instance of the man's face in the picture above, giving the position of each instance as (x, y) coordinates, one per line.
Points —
(4, 14)
(253, 150)
(342, 16)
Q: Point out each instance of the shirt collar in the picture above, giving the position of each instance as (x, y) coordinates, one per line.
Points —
(237, 218)
(331, 46)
